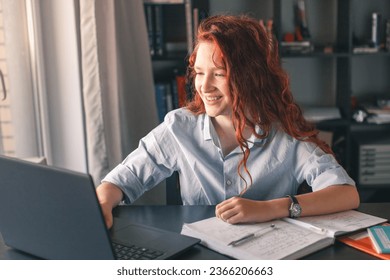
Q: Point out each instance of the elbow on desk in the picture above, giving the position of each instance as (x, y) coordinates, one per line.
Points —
(354, 198)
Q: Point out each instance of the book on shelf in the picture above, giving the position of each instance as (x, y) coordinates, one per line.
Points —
(149, 15)
(378, 115)
(171, 25)
(387, 39)
(365, 49)
(298, 47)
(301, 23)
(289, 239)
(317, 114)
(159, 40)
(161, 90)
(380, 238)
(155, 27)
(170, 94)
(181, 84)
(361, 241)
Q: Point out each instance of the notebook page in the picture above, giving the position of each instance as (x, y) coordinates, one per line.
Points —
(285, 241)
(343, 222)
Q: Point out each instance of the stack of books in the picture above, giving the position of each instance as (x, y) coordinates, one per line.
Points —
(297, 47)
(378, 115)
(371, 243)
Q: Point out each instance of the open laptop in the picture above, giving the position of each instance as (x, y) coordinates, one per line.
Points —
(54, 213)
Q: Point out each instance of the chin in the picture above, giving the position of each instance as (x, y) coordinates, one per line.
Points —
(214, 114)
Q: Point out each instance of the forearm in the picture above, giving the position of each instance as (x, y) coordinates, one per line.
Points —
(329, 200)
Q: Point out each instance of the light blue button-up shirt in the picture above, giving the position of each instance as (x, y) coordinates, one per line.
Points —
(188, 144)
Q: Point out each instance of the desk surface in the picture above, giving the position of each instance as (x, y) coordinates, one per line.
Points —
(172, 218)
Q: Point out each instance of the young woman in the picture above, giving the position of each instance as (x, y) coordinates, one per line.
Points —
(241, 143)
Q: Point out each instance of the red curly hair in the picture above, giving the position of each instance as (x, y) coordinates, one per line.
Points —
(259, 87)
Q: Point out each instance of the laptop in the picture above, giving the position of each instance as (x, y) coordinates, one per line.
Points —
(54, 213)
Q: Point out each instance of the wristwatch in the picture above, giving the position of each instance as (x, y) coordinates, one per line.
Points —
(295, 209)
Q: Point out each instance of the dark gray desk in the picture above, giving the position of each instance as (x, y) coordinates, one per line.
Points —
(172, 217)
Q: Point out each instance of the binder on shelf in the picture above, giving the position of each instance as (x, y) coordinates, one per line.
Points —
(387, 43)
(171, 26)
(375, 29)
(166, 98)
(161, 100)
(149, 16)
(301, 26)
(159, 47)
(189, 25)
(169, 98)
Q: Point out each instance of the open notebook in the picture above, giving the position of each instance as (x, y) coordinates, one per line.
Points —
(288, 239)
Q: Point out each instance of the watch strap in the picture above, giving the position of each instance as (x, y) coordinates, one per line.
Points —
(293, 199)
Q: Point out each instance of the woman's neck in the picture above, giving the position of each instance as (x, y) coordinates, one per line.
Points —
(224, 127)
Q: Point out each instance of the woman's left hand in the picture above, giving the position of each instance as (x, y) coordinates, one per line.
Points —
(241, 210)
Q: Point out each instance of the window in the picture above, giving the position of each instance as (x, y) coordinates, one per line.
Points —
(7, 145)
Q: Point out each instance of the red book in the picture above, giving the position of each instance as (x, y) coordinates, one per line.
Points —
(181, 90)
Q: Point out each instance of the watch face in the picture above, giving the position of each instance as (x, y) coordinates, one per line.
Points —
(295, 210)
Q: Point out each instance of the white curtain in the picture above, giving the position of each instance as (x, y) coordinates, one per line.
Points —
(118, 86)
(19, 79)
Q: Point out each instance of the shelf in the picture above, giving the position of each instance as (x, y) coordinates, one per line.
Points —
(369, 127)
(380, 53)
(332, 124)
(319, 54)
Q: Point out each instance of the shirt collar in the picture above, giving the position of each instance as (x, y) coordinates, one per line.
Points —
(206, 128)
(209, 132)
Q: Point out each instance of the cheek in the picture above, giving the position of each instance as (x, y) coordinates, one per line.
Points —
(224, 87)
(197, 84)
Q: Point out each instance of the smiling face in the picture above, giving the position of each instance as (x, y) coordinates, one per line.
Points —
(211, 81)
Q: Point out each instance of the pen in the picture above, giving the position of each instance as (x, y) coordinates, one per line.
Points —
(252, 235)
(306, 225)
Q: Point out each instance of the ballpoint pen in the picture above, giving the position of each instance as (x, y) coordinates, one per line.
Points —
(305, 225)
(252, 235)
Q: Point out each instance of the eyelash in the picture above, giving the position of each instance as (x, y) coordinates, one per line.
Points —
(217, 74)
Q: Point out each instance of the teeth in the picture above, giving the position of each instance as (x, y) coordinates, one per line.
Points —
(212, 98)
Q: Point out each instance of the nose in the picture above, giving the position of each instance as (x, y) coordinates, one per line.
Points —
(207, 83)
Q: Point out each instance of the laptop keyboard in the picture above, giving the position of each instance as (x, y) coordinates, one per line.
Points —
(132, 252)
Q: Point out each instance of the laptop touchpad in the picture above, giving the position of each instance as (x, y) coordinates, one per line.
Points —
(138, 234)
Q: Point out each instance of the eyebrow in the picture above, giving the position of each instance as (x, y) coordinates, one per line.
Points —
(213, 68)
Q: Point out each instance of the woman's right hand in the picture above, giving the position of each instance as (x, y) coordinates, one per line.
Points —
(109, 196)
(107, 214)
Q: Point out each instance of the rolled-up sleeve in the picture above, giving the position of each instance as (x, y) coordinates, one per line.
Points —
(146, 166)
(319, 169)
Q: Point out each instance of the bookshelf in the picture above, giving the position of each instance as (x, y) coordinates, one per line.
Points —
(332, 74)
(171, 25)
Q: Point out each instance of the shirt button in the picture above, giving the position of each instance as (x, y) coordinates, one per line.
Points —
(228, 182)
